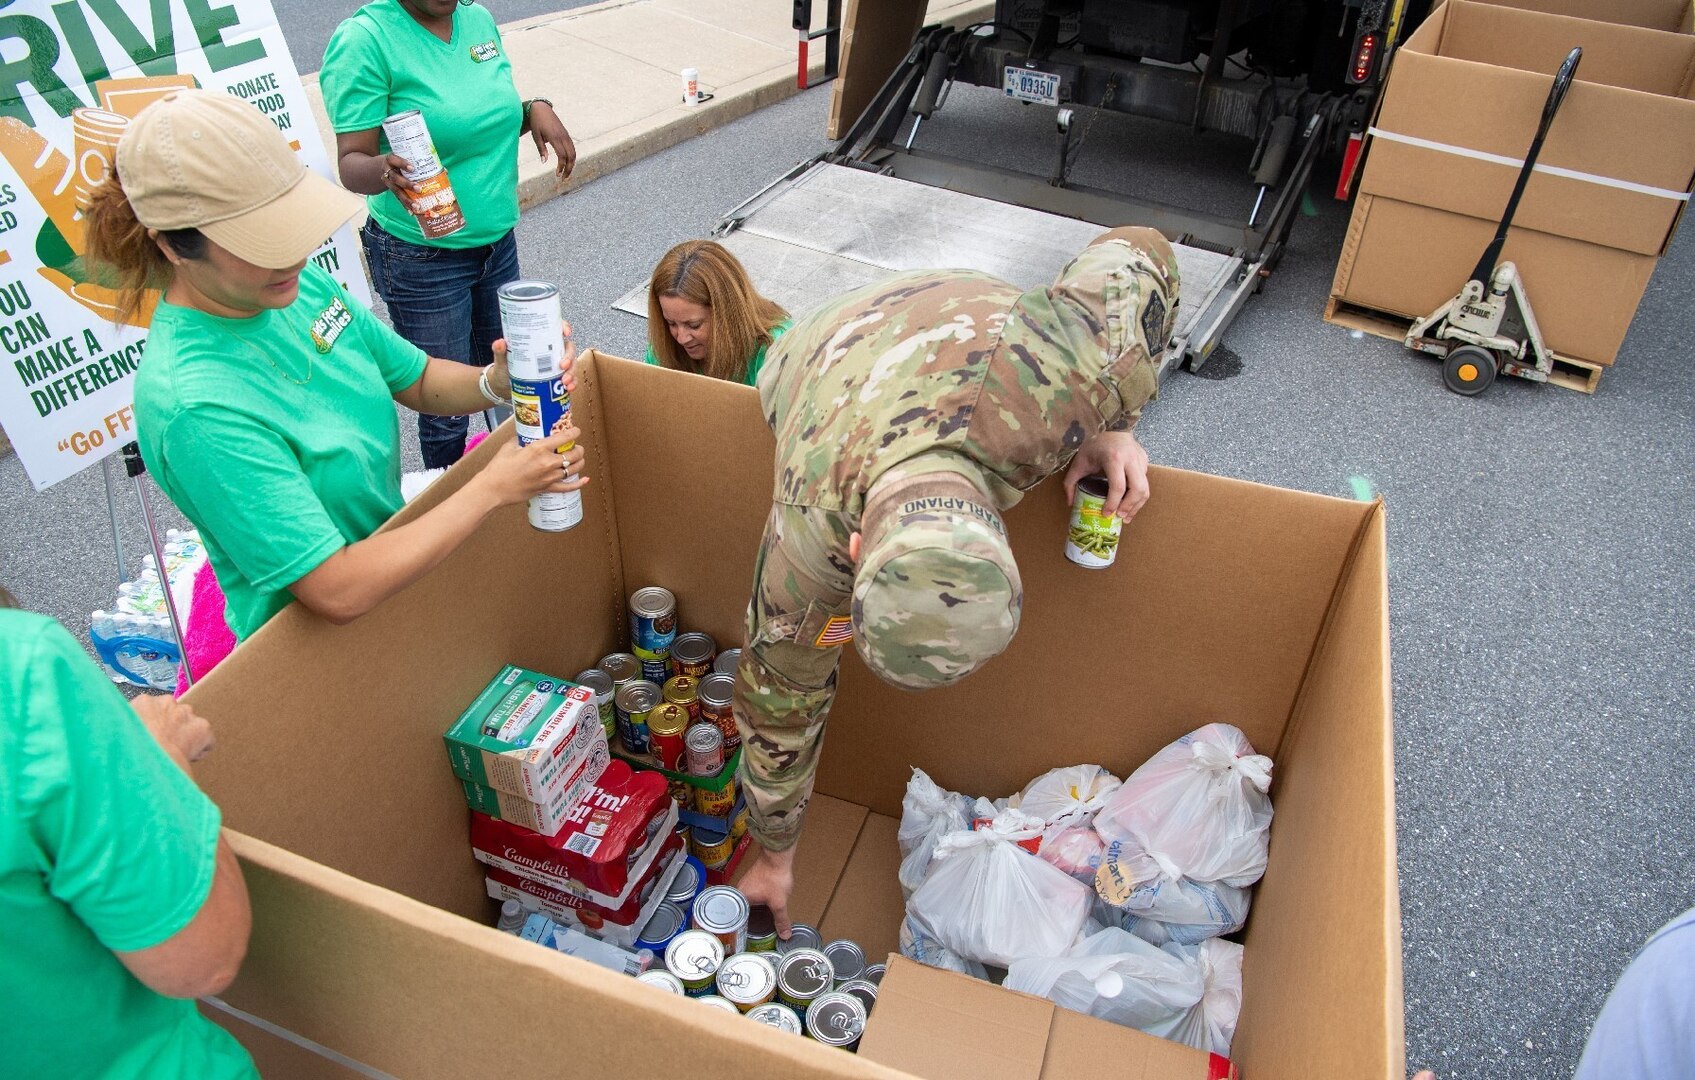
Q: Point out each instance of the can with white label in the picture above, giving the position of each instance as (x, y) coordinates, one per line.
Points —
(530, 321)
(435, 206)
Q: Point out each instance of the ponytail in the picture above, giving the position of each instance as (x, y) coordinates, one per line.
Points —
(123, 255)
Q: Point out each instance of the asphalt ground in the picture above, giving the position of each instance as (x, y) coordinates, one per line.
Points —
(308, 24)
(1539, 549)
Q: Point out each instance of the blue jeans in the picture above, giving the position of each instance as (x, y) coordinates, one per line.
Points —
(443, 300)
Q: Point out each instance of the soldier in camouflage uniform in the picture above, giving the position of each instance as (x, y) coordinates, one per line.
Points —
(908, 416)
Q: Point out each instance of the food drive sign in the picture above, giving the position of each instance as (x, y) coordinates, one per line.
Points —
(73, 74)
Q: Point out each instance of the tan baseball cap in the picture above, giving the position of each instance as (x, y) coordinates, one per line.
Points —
(201, 159)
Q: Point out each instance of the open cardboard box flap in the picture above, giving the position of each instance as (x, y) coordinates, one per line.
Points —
(1476, 76)
(1230, 601)
(1672, 16)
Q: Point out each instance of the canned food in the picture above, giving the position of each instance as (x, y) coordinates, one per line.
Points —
(777, 1015)
(1093, 537)
(761, 930)
(691, 655)
(722, 910)
(836, 1019)
(727, 662)
(712, 849)
(604, 692)
(690, 879)
(847, 960)
(694, 957)
(802, 976)
(684, 690)
(866, 992)
(801, 936)
(747, 980)
(874, 974)
(662, 979)
(633, 702)
(718, 1002)
(738, 823)
(667, 921)
(681, 793)
(703, 749)
(717, 695)
(530, 322)
(717, 803)
(653, 627)
(623, 667)
(665, 726)
(435, 206)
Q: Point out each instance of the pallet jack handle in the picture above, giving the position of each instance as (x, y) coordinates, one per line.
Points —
(1562, 82)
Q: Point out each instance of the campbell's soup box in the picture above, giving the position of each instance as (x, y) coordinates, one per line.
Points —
(607, 836)
(527, 734)
(620, 924)
(543, 817)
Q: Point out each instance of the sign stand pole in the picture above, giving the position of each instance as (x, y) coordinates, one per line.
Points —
(136, 468)
(112, 513)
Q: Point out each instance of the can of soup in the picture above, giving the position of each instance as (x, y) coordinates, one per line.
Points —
(662, 979)
(722, 910)
(633, 702)
(653, 627)
(747, 980)
(761, 930)
(802, 976)
(836, 1019)
(693, 957)
(690, 879)
(847, 960)
(718, 1002)
(874, 974)
(622, 667)
(801, 936)
(435, 206)
(665, 726)
(530, 320)
(667, 921)
(1093, 537)
(727, 662)
(776, 1014)
(865, 991)
(604, 694)
(684, 690)
(691, 655)
(738, 823)
(717, 695)
(703, 747)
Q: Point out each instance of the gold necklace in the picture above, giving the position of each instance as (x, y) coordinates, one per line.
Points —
(274, 365)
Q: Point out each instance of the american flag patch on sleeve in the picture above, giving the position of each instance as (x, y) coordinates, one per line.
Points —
(838, 631)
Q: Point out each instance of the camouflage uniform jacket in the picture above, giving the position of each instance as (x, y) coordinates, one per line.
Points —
(955, 367)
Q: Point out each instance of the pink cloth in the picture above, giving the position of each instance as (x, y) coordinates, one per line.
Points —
(209, 637)
(471, 443)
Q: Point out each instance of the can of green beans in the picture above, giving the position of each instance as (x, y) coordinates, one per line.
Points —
(1092, 540)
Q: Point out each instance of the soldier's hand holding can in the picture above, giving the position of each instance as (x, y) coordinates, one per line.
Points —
(1117, 456)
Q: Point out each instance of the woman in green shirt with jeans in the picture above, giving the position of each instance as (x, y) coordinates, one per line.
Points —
(445, 59)
(265, 400)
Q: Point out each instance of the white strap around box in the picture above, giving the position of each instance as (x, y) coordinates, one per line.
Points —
(299, 1040)
(1518, 163)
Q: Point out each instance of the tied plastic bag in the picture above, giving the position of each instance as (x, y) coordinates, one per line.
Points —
(1066, 798)
(1077, 851)
(1191, 994)
(986, 899)
(1159, 908)
(1198, 808)
(927, 813)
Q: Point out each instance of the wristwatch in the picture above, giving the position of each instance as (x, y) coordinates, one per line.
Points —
(532, 101)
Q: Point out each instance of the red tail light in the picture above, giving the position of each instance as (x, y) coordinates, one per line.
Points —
(1365, 57)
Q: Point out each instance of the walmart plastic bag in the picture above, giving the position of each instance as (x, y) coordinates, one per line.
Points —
(1159, 908)
(987, 899)
(1198, 808)
(1066, 798)
(927, 813)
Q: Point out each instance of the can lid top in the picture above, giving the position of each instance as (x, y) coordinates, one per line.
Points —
(687, 881)
(801, 936)
(652, 600)
(1094, 485)
(528, 290)
(747, 977)
(694, 953)
(847, 958)
(777, 1015)
(718, 1003)
(595, 679)
(721, 907)
(874, 973)
(680, 684)
(663, 924)
(692, 646)
(806, 971)
(836, 1017)
(703, 736)
(760, 922)
(638, 696)
(719, 687)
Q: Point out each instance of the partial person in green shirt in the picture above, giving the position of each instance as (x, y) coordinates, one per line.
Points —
(120, 901)
(265, 401)
(445, 59)
(704, 314)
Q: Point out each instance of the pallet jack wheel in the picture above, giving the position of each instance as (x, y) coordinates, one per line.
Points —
(1469, 370)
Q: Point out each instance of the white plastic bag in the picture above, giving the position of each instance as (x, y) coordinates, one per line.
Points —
(988, 900)
(1198, 807)
(927, 813)
(1221, 967)
(915, 944)
(1159, 908)
(1075, 850)
(1066, 798)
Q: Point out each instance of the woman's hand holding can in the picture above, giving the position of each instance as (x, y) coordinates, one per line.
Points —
(395, 169)
(518, 473)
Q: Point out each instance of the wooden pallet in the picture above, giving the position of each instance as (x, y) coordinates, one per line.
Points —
(1570, 373)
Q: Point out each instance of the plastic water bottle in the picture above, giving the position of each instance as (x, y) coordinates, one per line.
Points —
(511, 917)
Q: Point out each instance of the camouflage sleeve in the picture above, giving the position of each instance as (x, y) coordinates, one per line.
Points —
(797, 622)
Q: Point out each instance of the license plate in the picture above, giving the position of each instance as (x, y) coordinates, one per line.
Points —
(1028, 85)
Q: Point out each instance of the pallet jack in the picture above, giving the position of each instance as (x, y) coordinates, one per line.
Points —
(1489, 328)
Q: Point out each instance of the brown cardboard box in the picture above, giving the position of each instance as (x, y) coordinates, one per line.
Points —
(1669, 15)
(372, 933)
(1475, 77)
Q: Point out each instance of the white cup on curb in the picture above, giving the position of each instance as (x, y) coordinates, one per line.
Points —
(691, 86)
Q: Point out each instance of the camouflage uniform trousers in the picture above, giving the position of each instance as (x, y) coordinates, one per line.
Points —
(797, 623)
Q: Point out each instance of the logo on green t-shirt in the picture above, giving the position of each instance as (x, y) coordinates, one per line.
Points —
(329, 324)
(488, 50)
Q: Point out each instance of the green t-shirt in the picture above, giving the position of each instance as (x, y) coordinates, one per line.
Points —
(753, 365)
(104, 844)
(381, 62)
(275, 435)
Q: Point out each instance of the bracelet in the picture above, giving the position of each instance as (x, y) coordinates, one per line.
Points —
(488, 392)
(532, 101)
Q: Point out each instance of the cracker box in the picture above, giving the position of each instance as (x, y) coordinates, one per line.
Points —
(548, 817)
(526, 734)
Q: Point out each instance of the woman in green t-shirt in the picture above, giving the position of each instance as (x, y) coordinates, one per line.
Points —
(445, 59)
(265, 399)
(705, 316)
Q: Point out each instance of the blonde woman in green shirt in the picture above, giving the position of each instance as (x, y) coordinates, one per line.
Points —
(265, 400)
(704, 314)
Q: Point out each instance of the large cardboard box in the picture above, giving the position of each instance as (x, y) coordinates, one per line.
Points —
(1463, 100)
(1229, 601)
(1674, 16)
